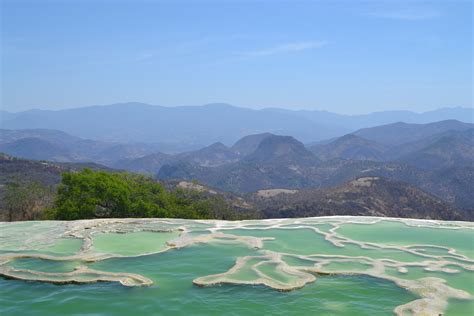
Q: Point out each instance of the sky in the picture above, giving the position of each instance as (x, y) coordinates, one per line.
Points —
(347, 57)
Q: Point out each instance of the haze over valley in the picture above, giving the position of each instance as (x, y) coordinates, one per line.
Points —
(192, 127)
(250, 151)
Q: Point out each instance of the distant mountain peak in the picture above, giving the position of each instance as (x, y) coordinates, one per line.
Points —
(218, 145)
(349, 146)
(280, 145)
(248, 144)
(281, 149)
(349, 137)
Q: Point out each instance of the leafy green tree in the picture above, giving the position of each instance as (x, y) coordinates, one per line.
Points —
(99, 194)
(93, 194)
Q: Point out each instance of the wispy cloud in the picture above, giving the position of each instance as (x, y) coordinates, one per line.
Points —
(205, 42)
(410, 14)
(143, 56)
(285, 48)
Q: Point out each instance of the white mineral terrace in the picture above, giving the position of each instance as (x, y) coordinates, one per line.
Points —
(269, 268)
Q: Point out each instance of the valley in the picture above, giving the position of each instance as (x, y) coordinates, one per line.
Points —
(417, 170)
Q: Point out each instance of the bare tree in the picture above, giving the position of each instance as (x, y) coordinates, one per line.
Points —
(27, 201)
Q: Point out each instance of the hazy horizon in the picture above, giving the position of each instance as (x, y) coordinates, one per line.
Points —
(343, 57)
(234, 105)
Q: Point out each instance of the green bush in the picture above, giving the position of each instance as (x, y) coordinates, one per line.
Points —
(98, 194)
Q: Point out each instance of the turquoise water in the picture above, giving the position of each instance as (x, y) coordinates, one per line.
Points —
(396, 233)
(346, 279)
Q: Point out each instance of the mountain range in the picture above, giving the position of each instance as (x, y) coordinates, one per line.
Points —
(191, 127)
(445, 143)
(54, 145)
(441, 162)
(434, 157)
(361, 196)
(420, 145)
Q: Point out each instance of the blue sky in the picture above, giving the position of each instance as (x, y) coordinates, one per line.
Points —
(341, 56)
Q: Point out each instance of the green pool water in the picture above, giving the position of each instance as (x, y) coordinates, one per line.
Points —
(374, 251)
(395, 233)
(132, 244)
